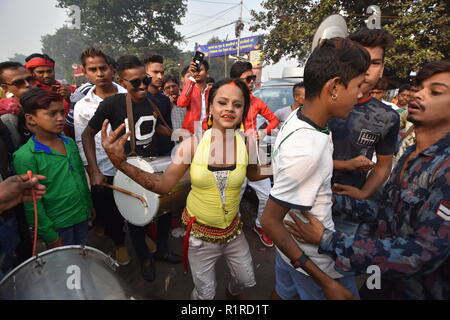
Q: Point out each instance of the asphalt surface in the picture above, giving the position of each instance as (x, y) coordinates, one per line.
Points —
(172, 284)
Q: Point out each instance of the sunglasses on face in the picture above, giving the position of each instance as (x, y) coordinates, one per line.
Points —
(21, 82)
(137, 82)
(249, 78)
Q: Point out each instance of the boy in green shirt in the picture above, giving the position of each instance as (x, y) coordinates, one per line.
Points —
(64, 210)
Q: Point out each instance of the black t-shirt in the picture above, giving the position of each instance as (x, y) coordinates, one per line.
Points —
(165, 144)
(114, 109)
(370, 126)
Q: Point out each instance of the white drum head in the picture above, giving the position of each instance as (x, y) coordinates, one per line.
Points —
(132, 208)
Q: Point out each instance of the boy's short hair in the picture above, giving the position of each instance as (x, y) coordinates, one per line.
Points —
(205, 64)
(430, 69)
(8, 65)
(404, 87)
(373, 38)
(128, 62)
(297, 85)
(110, 60)
(37, 98)
(154, 58)
(337, 57)
(91, 53)
(210, 80)
(239, 67)
(168, 78)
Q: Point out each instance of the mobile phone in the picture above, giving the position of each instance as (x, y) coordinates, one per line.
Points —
(55, 87)
(198, 58)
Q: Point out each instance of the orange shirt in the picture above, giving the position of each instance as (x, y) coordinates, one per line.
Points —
(257, 106)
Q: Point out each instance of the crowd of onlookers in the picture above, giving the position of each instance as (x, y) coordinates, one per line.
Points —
(369, 171)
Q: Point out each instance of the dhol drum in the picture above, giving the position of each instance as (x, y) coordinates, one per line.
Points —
(65, 273)
(135, 211)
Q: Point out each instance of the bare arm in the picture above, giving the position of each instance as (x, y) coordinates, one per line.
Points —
(165, 131)
(360, 163)
(255, 172)
(376, 178)
(273, 224)
(378, 175)
(95, 175)
(157, 183)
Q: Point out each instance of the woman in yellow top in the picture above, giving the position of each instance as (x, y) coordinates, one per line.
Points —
(219, 163)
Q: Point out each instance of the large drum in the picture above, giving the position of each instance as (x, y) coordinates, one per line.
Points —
(134, 210)
(65, 273)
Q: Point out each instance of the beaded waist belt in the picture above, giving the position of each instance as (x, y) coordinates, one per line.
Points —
(213, 234)
(207, 233)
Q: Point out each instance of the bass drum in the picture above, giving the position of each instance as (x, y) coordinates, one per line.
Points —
(65, 273)
(132, 208)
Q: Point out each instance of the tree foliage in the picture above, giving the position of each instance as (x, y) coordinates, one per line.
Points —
(420, 28)
(65, 47)
(218, 70)
(18, 57)
(129, 26)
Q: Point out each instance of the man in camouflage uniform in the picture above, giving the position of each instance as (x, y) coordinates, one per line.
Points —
(412, 245)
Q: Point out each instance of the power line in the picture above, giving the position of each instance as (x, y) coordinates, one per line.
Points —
(215, 2)
(223, 12)
(196, 22)
(226, 25)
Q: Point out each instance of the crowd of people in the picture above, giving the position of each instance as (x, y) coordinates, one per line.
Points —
(355, 180)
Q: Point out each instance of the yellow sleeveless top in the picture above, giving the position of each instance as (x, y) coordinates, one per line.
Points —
(204, 200)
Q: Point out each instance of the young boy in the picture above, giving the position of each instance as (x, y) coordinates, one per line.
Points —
(303, 166)
(64, 210)
(194, 97)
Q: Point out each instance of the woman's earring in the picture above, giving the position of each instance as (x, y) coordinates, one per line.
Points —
(333, 96)
(210, 120)
(242, 126)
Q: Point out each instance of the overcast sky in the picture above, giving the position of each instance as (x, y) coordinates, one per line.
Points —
(24, 22)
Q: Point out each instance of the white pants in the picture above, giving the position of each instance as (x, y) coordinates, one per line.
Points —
(202, 260)
(262, 189)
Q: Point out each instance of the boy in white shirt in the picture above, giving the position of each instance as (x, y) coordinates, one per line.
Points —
(302, 169)
(100, 74)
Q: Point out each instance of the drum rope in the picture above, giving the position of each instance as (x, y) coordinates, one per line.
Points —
(33, 195)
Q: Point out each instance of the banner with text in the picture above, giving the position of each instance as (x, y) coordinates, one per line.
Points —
(230, 47)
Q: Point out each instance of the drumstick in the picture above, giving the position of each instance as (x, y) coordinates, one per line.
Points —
(131, 194)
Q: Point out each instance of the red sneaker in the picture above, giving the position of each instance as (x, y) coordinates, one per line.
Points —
(263, 237)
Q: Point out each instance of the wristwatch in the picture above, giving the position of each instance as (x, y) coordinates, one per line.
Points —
(300, 261)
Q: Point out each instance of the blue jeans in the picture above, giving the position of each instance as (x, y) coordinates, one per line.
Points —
(74, 235)
(290, 283)
(9, 239)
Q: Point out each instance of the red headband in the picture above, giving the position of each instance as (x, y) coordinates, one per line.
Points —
(39, 62)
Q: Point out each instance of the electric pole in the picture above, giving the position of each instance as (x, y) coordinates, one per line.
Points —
(239, 27)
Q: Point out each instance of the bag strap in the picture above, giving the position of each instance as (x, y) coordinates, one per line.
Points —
(130, 125)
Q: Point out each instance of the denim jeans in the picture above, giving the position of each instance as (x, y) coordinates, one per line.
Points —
(290, 283)
(9, 239)
(74, 235)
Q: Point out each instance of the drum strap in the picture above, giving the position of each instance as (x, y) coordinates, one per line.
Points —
(158, 113)
(131, 126)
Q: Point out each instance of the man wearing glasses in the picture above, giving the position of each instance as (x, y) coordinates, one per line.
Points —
(15, 79)
(244, 71)
(133, 78)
